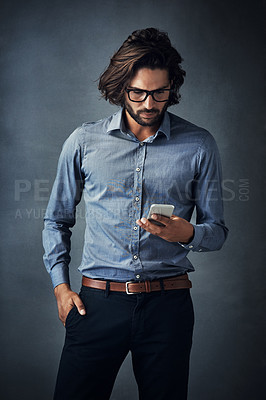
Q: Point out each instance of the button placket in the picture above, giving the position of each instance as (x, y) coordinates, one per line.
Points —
(137, 196)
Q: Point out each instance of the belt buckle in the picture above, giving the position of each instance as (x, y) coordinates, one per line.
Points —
(127, 291)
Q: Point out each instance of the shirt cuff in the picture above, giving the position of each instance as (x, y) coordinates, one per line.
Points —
(59, 274)
(194, 245)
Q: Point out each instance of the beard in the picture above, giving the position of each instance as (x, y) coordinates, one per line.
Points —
(156, 119)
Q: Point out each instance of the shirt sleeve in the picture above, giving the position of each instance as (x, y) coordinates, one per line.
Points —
(210, 231)
(61, 210)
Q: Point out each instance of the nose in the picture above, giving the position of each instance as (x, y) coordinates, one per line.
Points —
(149, 102)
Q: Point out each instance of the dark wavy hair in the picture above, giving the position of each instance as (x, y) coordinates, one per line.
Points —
(148, 48)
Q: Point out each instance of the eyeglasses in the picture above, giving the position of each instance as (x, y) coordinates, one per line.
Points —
(138, 96)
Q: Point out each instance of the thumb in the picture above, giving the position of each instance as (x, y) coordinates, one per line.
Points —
(80, 306)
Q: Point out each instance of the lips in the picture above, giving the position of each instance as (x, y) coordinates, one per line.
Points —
(148, 115)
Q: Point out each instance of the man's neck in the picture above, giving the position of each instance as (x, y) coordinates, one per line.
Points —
(141, 132)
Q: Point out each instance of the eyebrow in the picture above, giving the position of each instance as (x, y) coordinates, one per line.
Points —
(136, 88)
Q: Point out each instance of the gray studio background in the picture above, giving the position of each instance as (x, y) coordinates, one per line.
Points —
(52, 54)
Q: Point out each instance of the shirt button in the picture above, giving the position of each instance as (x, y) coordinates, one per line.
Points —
(141, 144)
(137, 276)
(190, 247)
(137, 198)
(135, 228)
(135, 257)
(138, 169)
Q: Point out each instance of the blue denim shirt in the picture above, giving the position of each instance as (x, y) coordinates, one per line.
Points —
(120, 177)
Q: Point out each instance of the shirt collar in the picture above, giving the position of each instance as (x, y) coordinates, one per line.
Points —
(116, 123)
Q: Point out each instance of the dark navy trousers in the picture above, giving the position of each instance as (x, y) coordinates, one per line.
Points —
(156, 327)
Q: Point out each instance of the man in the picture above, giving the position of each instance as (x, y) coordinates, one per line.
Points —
(135, 293)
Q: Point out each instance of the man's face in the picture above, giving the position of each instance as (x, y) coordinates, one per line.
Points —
(148, 112)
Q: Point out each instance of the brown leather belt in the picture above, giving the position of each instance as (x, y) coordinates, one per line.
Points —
(176, 282)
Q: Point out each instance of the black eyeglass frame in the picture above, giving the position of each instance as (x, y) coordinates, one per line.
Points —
(148, 93)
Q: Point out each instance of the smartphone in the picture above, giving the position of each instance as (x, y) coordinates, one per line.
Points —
(166, 210)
